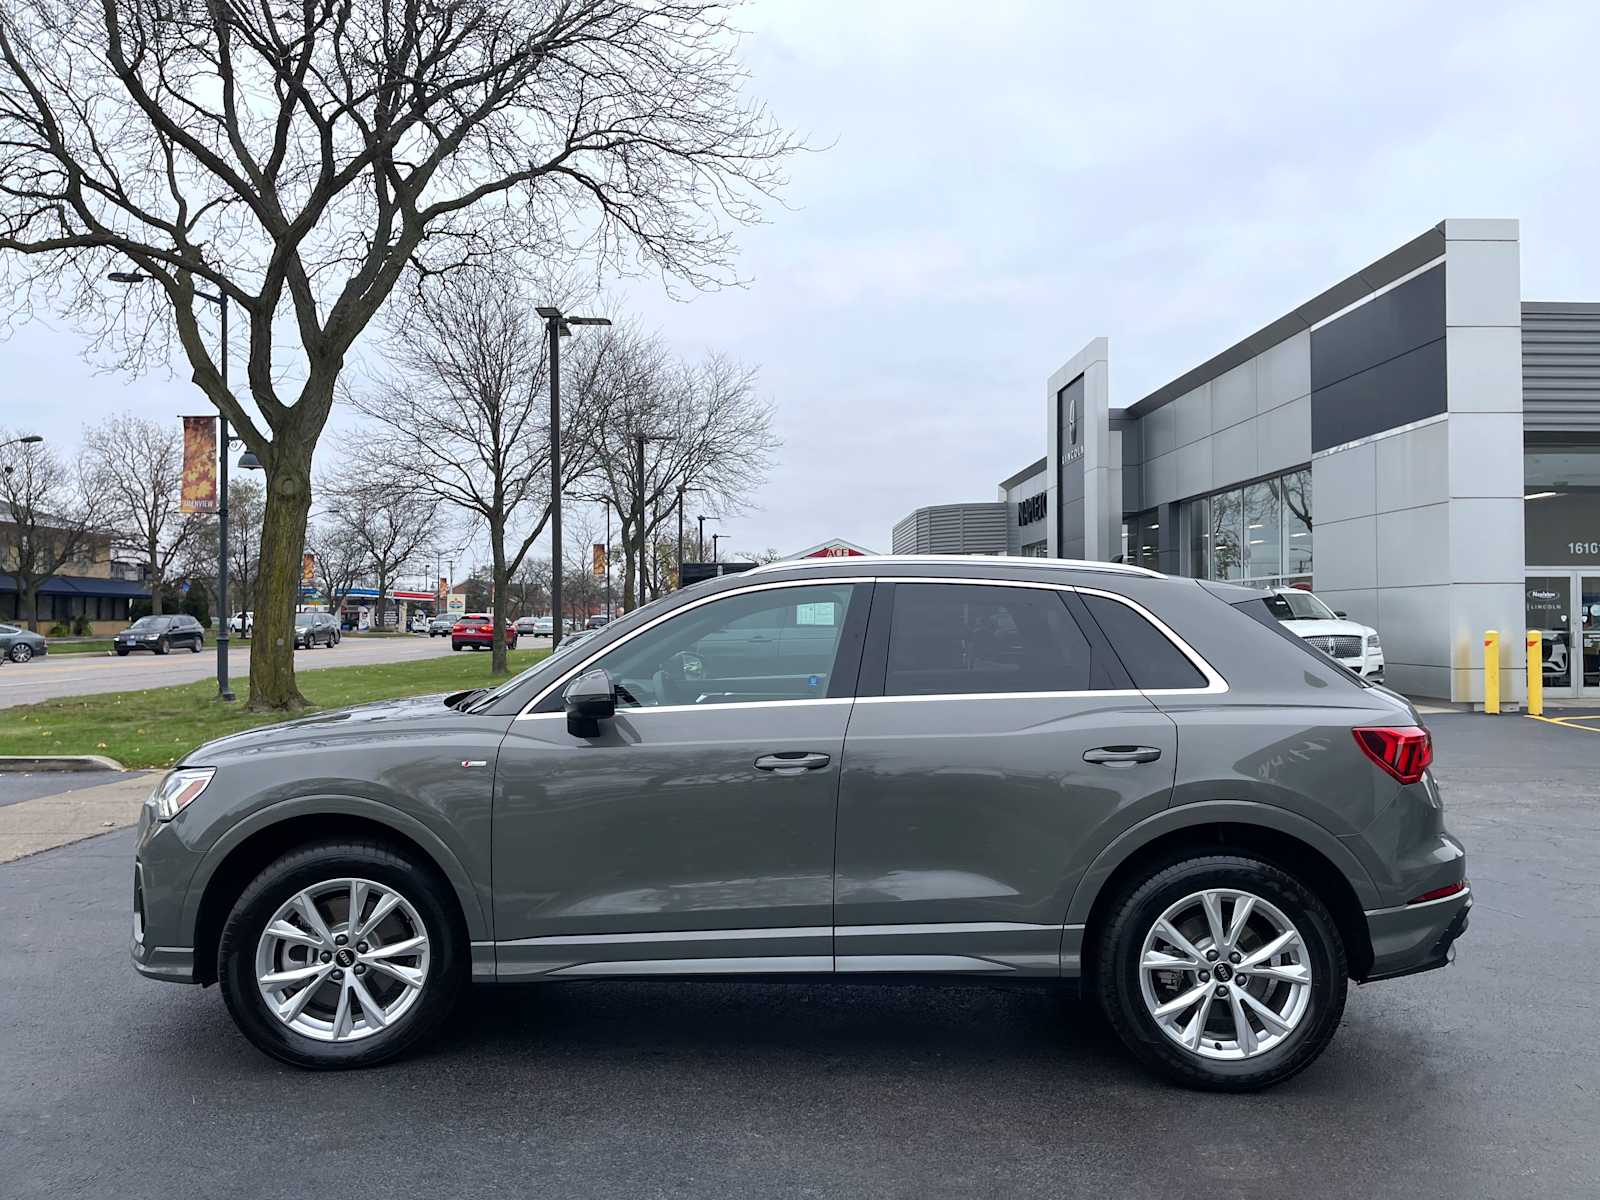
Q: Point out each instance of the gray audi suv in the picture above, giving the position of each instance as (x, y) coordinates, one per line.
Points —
(1009, 770)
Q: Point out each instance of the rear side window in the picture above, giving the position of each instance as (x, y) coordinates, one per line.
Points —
(1147, 653)
(959, 639)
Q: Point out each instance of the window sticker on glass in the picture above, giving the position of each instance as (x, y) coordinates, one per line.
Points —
(814, 614)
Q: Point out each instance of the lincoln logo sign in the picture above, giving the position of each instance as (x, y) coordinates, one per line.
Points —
(1032, 509)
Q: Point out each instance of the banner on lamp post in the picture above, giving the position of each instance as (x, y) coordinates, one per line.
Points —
(599, 560)
(308, 567)
(199, 492)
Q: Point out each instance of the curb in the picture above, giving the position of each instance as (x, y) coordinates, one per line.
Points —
(58, 762)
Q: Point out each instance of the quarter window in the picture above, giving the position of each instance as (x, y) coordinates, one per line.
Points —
(777, 644)
(961, 639)
(1147, 653)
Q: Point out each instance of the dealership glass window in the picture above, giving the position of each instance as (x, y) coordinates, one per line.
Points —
(1039, 549)
(1147, 532)
(1263, 521)
(1297, 523)
(1197, 523)
(1227, 542)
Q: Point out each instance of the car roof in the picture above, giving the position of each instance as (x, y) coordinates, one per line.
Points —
(873, 563)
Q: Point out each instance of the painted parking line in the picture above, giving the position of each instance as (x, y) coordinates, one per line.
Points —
(1570, 722)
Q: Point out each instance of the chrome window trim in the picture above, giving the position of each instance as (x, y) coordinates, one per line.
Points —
(769, 585)
(1215, 684)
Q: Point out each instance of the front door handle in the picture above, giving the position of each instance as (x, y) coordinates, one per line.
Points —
(791, 762)
(1121, 756)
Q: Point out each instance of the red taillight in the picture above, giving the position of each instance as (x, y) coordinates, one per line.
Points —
(1405, 751)
(1439, 893)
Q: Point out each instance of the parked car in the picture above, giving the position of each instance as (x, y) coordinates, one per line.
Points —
(315, 629)
(419, 622)
(598, 621)
(242, 623)
(160, 635)
(475, 631)
(441, 625)
(19, 645)
(1350, 643)
(527, 626)
(1007, 769)
(543, 626)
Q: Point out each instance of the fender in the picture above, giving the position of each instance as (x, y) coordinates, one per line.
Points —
(472, 910)
(1212, 812)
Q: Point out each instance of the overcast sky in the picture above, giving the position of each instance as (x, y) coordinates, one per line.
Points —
(1004, 181)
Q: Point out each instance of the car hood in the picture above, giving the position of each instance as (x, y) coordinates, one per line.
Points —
(309, 729)
(1310, 628)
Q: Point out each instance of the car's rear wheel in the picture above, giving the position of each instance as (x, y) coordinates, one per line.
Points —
(341, 955)
(195, 645)
(1223, 972)
(21, 652)
(122, 652)
(163, 646)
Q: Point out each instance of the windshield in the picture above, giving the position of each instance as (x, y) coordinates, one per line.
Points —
(1299, 606)
(150, 623)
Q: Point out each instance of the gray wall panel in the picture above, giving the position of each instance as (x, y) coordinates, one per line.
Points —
(1561, 366)
(1233, 396)
(1393, 393)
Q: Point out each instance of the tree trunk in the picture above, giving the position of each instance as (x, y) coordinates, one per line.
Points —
(497, 647)
(627, 569)
(154, 562)
(33, 607)
(278, 570)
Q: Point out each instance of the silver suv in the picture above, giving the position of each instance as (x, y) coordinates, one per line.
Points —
(1066, 773)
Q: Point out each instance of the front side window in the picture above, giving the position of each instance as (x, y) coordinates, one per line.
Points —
(964, 639)
(778, 644)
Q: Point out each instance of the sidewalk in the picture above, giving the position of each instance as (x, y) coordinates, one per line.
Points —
(45, 822)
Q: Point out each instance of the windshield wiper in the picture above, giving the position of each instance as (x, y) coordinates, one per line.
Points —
(460, 700)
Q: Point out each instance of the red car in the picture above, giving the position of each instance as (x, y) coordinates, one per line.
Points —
(476, 631)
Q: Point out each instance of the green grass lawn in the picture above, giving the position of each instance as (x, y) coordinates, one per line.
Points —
(155, 728)
(92, 646)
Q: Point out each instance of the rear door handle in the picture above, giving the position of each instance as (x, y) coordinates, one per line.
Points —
(791, 762)
(1121, 756)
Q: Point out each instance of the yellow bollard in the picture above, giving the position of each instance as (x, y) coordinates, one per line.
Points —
(1491, 671)
(1535, 673)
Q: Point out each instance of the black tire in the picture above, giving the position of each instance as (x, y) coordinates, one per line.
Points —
(122, 652)
(163, 646)
(455, 645)
(1119, 941)
(302, 868)
(195, 645)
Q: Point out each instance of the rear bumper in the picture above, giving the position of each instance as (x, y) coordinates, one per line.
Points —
(1416, 937)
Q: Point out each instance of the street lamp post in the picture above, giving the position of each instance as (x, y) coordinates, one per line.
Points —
(220, 299)
(715, 537)
(27, 439)
(700, 547)
(557, 327)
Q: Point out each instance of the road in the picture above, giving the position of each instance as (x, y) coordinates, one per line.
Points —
(1476, 1081)
(86, 674)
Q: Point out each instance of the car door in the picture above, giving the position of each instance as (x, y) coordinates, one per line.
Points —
(695, 832)
(994, 748)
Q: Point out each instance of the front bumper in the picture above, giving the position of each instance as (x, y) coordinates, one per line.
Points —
(162, 868)
(1368, 665)
(1416, 937)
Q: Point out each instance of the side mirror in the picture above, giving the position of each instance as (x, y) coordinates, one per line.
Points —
(1340, 613)
(588, 700)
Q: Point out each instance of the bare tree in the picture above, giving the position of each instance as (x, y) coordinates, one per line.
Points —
(48, 509)
(704, 429)
(300, 160)
(339, 561)
(138, 466)
(373, 508)
(463, 417)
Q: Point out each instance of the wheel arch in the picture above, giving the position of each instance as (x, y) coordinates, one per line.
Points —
(236, 860)
(1292, 842)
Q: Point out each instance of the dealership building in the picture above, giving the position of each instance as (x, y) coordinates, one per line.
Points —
(1418, 444)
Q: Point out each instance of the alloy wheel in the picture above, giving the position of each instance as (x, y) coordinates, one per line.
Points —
(342, 960)
(1225, 974)
(21, 652)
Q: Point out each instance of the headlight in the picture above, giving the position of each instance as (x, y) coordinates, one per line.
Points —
(175, 791)
(1372, 641)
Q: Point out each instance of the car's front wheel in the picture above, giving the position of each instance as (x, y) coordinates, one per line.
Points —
(21, 652)
(341, 955)
(1223, 972)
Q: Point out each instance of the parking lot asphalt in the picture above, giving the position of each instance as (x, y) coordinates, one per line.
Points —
(1476, 1081)
(57, 675)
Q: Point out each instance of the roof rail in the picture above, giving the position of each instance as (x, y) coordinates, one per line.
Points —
(871, 560)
